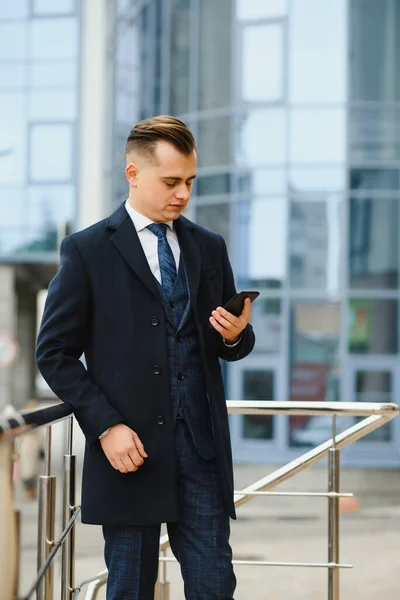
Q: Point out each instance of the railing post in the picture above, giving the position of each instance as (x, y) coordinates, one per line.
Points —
(8, 526)
(162, 585)
(47, 511)
(68, 549)
(333, 516)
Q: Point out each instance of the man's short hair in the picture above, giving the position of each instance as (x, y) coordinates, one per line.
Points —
(146, 134)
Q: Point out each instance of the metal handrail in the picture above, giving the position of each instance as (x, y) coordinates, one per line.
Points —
(377, 415)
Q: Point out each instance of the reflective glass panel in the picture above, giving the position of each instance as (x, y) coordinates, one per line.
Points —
(314, 374)
(262, 43)
(261, 240)
(15, 9)
(215, 57)
(367, 178)
(52, 106)
(318, 51)
(215, 217)
(54, 38)
(49, 7)
(180, 56)
(208, 185)
(266, 319)
(258, 9)
(257, 182)
(317, 179)
(317, 135)
(13, 41)
(12, 75)
(12, 138)
(373, 242)
(214, 141)
(315, 239)
(51, 153)
(261, 136)
(374, 386)
(12, 207)
(258, 385)
(50, 205)
(57, 73)
(375, 134)
(372, 326)
(374, 67)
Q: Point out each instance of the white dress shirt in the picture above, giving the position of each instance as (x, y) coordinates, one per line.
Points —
(149, 243)
(149, 240)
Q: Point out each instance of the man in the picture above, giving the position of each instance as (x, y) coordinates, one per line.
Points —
(141, 294)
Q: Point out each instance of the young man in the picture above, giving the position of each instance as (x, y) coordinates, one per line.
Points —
(137, 293)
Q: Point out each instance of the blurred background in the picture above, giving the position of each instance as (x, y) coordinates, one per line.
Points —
(295, 105)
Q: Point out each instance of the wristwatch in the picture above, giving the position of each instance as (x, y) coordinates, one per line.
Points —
(106, 432)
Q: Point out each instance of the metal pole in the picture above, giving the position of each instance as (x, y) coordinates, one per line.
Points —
(69, 487)
(333, 517)
(163, 583)
(47, 513)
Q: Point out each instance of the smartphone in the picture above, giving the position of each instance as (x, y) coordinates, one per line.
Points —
(236, 304)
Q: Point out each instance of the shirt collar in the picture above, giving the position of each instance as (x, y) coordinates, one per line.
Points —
(141, 221)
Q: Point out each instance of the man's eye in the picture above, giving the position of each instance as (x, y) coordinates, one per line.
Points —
(171, 185)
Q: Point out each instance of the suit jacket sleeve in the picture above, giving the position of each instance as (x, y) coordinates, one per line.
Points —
(246, 344)
(61, 342)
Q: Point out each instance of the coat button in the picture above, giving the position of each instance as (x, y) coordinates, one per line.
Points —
(172, 304)
(179, 338)
(156, 369)
(180, 376)
(160, 420)
(155, 321)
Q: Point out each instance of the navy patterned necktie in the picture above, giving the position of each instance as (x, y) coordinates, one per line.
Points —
(165, 257)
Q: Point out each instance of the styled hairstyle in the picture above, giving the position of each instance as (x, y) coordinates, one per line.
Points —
(146, 134)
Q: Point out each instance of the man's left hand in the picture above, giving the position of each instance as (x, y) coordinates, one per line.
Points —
(229, 326)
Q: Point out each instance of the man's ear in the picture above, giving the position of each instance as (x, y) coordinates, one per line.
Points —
(131, 172)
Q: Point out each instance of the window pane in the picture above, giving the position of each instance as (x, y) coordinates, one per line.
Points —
(318, 135)
(375, 134)
(373, 326)
(261, 138)
(214, 141)
(262, 242)
(12, 207)
(315, 235)
(374, 179)
(375, 73)
(258, 9)
(314, 344)
(17, 9)
(373, 243)
(321, 179)
(54, 38)
(13, 75)
(12, 138)
(262, 42)
(258, 385)
(207, 185)
(215, 217)
(180, 55)
(51, 153)
(262, 181)
(49, 7)
(58, 73)
(266, 318)
(52, 106)
(215, 57)
(374, 386)
(12, 41)
(49, 206)
(317, 51)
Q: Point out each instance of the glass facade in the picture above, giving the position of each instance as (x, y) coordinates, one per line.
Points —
(297, 119)
(39, 78)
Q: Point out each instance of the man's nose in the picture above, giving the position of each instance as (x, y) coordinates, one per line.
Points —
(183, 193)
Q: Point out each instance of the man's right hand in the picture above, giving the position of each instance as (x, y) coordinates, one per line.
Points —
(123, 448)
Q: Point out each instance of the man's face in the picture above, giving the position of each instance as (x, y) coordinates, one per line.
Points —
(161, 188)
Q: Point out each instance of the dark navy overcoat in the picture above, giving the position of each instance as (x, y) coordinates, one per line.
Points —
(104, 303)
